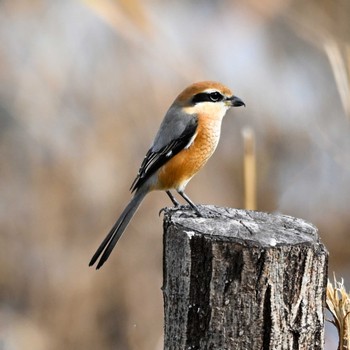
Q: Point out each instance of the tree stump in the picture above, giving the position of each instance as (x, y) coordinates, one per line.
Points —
(240, 279)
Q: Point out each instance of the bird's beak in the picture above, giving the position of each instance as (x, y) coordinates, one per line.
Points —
(235, 101)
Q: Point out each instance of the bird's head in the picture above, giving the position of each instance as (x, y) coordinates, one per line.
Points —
(207, 97)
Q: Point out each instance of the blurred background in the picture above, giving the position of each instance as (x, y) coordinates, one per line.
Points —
(84, 86)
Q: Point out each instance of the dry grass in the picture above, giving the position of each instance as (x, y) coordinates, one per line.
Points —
(338, 303)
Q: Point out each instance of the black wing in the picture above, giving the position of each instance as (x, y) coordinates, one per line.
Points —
(155, 159)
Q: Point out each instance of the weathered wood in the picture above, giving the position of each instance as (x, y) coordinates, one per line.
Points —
(242, 280)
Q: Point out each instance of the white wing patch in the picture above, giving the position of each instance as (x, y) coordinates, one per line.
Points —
(191, 141)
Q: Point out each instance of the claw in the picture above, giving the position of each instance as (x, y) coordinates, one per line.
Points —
(196, 210)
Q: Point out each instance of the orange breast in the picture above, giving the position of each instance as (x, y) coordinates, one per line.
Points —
(182, 167)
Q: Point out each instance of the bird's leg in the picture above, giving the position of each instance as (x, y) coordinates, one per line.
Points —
(193, 206)
(173, 199)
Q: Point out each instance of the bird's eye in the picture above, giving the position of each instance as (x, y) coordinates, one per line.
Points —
(215, 96)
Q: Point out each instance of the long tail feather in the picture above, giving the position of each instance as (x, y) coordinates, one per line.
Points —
(117, 230)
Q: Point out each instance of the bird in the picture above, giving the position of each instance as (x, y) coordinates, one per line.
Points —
(186, 139)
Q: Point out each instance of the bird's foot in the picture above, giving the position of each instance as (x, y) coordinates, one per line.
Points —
(183, 207)
(196, 210)
(162, 210)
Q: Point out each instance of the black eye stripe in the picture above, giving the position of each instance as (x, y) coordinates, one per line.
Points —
(207, 97)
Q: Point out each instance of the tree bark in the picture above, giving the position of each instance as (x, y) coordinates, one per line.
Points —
(240, 279)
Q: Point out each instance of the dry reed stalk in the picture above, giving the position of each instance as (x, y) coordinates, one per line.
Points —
(338, 303)
(340, 63)
(250, 196)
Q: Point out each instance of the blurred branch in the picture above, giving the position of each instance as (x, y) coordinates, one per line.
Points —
(129, 19)
(326, 25)
(122, 15)
(340, 63)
